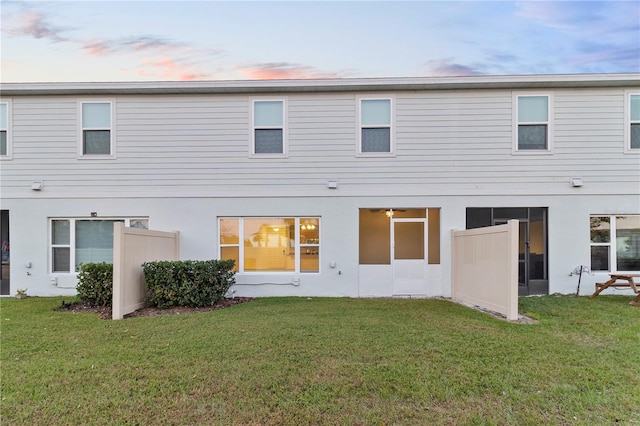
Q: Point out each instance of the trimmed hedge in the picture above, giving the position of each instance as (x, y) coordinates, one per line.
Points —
(189, 283)
(95, 285)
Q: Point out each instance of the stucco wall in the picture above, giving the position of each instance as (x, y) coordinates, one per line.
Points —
(196, 219)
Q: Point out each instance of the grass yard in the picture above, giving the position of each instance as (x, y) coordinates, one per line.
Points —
(281, 361)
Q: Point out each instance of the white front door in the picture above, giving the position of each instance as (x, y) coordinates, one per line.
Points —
(409, 257)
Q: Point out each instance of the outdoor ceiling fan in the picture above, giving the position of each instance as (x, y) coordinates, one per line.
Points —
(388, 212)
(385, 210)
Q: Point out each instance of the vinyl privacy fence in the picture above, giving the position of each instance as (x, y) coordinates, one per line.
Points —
(485, 268)
(131, 248)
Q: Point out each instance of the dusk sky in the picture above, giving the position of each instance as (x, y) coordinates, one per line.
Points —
(218, 40)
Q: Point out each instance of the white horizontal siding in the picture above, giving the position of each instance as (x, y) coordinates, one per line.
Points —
(447, 142)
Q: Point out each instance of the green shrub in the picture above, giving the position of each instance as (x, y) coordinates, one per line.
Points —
(95, 285)
(187, 283)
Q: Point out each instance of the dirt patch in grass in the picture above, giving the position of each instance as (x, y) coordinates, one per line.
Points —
(522, 319)
(104, 312)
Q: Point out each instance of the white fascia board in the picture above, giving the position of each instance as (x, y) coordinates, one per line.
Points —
(324, 85)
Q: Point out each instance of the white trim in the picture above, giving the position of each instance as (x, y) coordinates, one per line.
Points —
(284, 127)
(391, 126)
(9, 156)
(549, 123)
(507, 82)
(628, 122)
(72, 239)
(425, 242)
(297, 245)
(112, 129)
(612, 244)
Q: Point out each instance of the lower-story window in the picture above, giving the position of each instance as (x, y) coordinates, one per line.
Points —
(271, 244)
(615, 243)
(77, 241)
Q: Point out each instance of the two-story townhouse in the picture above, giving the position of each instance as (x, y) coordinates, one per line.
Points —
(324, 187)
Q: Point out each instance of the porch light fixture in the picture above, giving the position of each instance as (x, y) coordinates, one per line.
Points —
(389, 213)
(37, 186)
(576, 182)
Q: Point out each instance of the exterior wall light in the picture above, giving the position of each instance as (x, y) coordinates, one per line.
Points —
(37, 186)
(576, 182)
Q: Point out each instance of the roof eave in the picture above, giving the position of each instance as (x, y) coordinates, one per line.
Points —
(324, 85)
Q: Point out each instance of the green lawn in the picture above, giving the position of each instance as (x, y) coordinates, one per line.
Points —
(296, 361)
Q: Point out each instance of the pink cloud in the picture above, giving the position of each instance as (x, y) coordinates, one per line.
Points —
(166, 59)
(34, 24)
(134, 45)
(98, 48)
(282, 71)
(170, 69)
(170, 59)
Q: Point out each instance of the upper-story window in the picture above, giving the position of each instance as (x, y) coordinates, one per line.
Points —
(533, 126)
(375, 130)
(269, 130)
(5, 133)
(632, 143)
(96, 137)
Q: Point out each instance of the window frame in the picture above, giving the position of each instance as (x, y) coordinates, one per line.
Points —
(392, 125)
(8, 129)
(628, 122)
(112, 129)
(297, 245)
(72, 240)
(549, 123)
(611, 244)
(283, 127)
(602, 244)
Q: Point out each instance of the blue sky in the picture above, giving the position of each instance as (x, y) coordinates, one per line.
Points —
(217, 40)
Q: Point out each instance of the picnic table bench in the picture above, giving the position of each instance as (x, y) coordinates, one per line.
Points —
(622, 281)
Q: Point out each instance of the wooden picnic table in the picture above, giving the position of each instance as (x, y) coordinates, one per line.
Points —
(622, 281)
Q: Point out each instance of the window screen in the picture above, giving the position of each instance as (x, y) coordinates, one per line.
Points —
(96, 128)
(533, 119)
(268, 127)
(375, 125)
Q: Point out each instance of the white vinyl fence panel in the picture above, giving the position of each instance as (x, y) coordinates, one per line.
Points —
(131, 248)
(485, 268)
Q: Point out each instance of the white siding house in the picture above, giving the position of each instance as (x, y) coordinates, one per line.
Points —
(324, 187)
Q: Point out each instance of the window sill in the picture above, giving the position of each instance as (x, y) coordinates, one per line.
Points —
(269, 156)
(532, 152)
(375, 155)
(96, 157)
